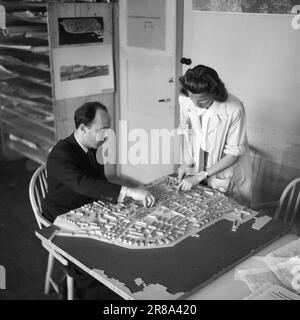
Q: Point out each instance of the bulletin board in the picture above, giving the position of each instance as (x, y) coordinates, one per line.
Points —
(81, 59)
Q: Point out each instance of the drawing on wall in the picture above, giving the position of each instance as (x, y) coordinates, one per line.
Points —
(80, 30)
(78, 71)
(146, 24)
(82, 71)
(246, 6)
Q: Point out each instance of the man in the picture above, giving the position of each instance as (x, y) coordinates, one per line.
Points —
(74, 175)
(76, 178)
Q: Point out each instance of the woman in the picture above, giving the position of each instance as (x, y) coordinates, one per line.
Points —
(215, 147)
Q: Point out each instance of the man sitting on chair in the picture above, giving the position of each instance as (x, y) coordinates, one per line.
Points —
(75, 177)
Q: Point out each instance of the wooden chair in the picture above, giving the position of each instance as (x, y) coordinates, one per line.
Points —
(288, 206)
(38, 188)
(289, 203)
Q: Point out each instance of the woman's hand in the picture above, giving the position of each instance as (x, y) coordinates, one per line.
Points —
(189, 182)
(183, 171)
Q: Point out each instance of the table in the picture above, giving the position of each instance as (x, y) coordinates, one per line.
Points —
(226, 288)
(177, 272)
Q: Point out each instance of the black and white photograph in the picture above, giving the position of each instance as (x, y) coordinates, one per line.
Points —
(77, 71)
(246, 6)
(83, 71)
(149, 154)
(80, 30)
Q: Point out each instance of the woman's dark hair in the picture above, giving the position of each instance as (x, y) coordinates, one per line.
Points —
(203, 79)
(86, 113)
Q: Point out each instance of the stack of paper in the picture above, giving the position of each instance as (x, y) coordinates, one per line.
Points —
(274, 292)
(281, 267)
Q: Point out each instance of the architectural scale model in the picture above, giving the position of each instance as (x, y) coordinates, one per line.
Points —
(174, 217)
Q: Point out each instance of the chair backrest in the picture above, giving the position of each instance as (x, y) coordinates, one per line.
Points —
(289, 203)
(38, 188)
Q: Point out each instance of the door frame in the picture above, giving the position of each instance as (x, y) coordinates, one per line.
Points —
(178, 73)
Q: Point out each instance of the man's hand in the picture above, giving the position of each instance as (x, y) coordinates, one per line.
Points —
(141, 195)
(190, 181)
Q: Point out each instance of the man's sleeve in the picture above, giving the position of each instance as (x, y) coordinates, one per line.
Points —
(67, 172)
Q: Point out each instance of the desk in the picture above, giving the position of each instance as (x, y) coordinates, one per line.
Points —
(167, 273)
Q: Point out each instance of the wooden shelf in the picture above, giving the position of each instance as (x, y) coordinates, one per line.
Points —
(34, 109)
(33, 59)
(14, 112)
(25, 44)
(35, 114)
(22, 5)
(27, 118)
(26, 31)
(41, 137)
(38, 104)
(24, 88)
(27, 16)
(28, 72)
(35, 155)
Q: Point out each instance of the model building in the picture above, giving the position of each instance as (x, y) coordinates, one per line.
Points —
(174, 217)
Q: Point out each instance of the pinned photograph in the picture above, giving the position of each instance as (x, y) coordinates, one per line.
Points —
(79, 71)
(246, 6)
(83, 71)
(80, 30)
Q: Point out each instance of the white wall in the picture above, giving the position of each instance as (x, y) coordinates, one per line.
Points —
(258, 58)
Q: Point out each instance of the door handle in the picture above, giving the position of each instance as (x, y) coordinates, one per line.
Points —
(186, 61)
(164, 100)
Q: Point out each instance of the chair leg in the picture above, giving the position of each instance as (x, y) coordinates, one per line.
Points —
(49, 272)
(70, 286)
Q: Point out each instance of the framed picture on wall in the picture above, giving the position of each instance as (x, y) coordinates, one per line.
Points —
(83, 71)
(246, 6)
(80, 30)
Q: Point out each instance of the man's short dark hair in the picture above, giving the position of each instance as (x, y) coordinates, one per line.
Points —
(85, 114)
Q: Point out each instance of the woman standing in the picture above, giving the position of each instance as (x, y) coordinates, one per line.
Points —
(215, 147)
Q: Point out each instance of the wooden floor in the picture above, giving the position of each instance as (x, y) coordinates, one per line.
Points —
(20, 251)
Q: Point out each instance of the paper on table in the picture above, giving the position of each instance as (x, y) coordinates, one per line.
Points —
(286, 270)
(274, 292)
(285, 264)
(258, 278)
(254, 262)
(256, 272)
(289, 250)
(281, 266)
